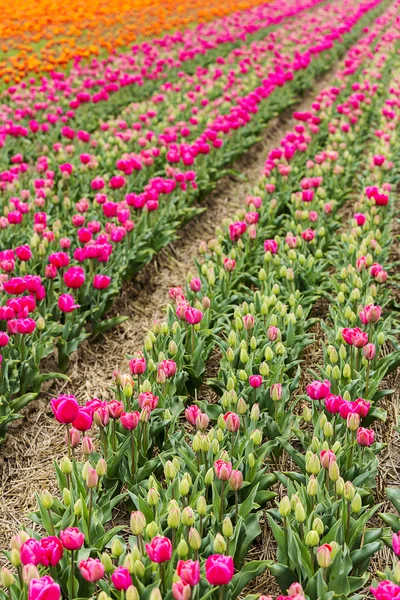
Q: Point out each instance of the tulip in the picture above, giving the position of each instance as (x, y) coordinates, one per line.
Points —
(255, 381)
(319, 390)
(181, 590)
(121, 578)
(396, 543)
(66, 303)
(44, 588)
(324, 556)
(72, 538)
(386, 590)
(159, 549)
(219, 569)
(65, 408)
(92, 569)
(189, 571)
(30, 552)
(365, 437)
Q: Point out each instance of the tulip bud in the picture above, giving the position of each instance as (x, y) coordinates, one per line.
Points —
(117, 548)
(107, 562)
(219, 545)
(92, 479)
(307, 414)
(174, 517)
(6, 577)
(227, 527)
(169, 470)
(66, 465)
(153, 497)
(47, 499)
(132, 593)
(152, 529)
(312, 539)
(101, 467)
(209, 477)
(187, 516)
(334, 472)
(285, 507)
(103, 596)
(66, 494)
(300, 513)
(312, 486)
(324, 556)
(256, 437)
(29, 572)
(15, 558)
(194, 539)
(349, 491)
(353, 421)
(318, 526)
(201, 506)
(138, 569)
(155, 594)
(396, 572)
(339, 486)
(356, 504)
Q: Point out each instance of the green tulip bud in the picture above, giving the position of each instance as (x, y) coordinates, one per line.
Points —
(318, 526)
(169, 470)
(334, 472)
(174, 517)
(256, 437)
(312, 486)
(194, 539)
(153, 497)
(187, 516)
(300, 513)
(219, 544)
(285, 507)
(138, 569)
(349, 491)
(201, 506)
(117, 548)
(132, 593)
(356, 504)
(251, 460)
(6, 577)
(312, 539)
(107, 562)
(47, 499)
(66, 465)
(184, 487)
(152, 529)
(209, 477)
(227, 527)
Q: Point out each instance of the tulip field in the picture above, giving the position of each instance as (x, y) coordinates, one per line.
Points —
(247, 446)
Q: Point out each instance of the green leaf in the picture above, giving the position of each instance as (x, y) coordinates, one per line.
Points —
(250, 571)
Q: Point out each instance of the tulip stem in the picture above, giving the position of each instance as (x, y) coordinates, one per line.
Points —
(366, 381)
(51, 522)
(221, 592)
(221, 507)
(237, 506)
(133, 453)
(68, 441)
(192, 341)
(114, 444)
(162, 577)
(90, 508)
(72, 572)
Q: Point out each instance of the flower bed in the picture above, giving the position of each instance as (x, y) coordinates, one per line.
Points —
(198, 475)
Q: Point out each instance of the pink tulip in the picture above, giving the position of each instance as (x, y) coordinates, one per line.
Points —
(51, 551)
(159, 549)
(65, 408)
(333, 403)
(386, 590)
(236, 230)
(147, 399)
(66, 303)
(130, 420)
(189, 571)
(192, 413)
(369, 351)
(232, 422)
(229, 264)
(74, 278)
(181, 590)
(121, 578)
(137, 365)
(355, 337)
(195, 284)
(396, 543)
(193, 315)
(30, 552)
(360, 218)
(91, 569)
(271, 246)
(236, 480)
(273, 333)
(365, 437)
(255, 381)
(370, 314)
(101, 282)
(44, 589)
(83, 421)
(71, 538)
(308, 235)
(223, 469)
(319, 390)
(219, 569)
(327, 457)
